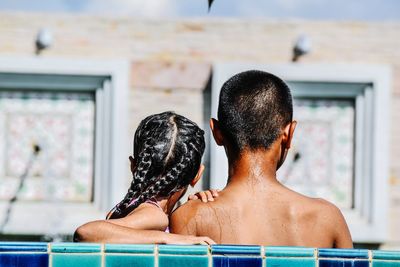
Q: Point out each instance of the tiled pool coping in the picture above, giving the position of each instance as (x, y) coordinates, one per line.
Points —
(113, 255)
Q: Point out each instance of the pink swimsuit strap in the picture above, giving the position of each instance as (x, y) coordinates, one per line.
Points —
(152, 201)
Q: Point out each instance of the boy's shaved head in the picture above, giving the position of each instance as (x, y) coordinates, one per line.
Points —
(254, 107)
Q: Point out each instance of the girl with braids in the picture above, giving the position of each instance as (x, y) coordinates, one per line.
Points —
(167, 158)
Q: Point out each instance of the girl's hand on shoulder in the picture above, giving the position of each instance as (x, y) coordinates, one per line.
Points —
(189, 240)
(205, 196)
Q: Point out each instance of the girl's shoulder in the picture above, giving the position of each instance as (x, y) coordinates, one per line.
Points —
(146, 217)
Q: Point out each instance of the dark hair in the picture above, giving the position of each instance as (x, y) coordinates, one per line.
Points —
(168, 149)
(254, 106)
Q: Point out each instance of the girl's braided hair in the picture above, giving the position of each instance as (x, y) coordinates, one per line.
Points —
(168, 149)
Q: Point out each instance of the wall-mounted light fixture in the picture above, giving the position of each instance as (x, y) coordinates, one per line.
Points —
(44, 39)
(301, 47)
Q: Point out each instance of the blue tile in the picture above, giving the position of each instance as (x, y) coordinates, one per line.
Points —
(127, 248)
(343, 253)
(75, 248)
(343, 263)
(385, 255)
(290, 262)
(24, 259)
(118, 260)
(289, 252)
(23, 246)
(232, 261)
(235, 250)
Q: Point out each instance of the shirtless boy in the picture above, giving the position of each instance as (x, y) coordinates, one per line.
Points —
(255, 127)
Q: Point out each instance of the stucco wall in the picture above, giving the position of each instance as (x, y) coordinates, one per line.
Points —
(172, 59)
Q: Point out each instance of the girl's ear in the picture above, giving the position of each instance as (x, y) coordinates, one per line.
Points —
(133, 164)
(198, 176)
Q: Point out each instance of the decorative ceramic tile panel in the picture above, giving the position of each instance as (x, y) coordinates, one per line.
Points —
(62, 124)
(320, 163)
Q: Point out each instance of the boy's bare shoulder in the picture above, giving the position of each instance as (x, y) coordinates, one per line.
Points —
(333, 222)
(324, 211)
(190, 216)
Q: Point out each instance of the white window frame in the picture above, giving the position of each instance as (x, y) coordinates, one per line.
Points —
(109, 80)
(368, 221)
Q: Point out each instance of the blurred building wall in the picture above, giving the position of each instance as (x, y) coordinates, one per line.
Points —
(172, 59)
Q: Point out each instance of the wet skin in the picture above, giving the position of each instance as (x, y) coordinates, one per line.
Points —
(254, 208)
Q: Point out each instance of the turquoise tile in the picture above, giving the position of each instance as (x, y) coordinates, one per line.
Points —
(118, 260)
(183, 255)
(76, 259)
(385, 255)
(235, 250)
(75, 248)
(379, 263)
(290, 262)
(129, 255)
(289, 252)
(182, 260)
(129, 248)
(182, 250)
(24, 259)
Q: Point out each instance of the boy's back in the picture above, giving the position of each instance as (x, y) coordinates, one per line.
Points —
(255, 126)
(264, 216)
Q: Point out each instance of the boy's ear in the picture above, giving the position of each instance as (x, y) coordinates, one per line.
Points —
(288, 133)
(198, 176)
(216, 131)
(133, 164)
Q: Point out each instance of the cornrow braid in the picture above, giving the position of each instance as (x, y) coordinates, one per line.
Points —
(168, 149)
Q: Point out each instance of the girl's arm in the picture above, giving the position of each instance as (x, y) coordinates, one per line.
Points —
(106, 232)
(146, 225)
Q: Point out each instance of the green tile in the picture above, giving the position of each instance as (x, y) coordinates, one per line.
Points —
(125, 248)
(289, 252)
(290, 262)
(182, 260)
(76, 259)
(117, 260)
(75, 248)
(182, 250)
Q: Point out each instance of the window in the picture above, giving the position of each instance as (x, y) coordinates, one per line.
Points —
(76, 112)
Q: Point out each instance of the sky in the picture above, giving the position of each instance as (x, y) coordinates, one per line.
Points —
(381, 10)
